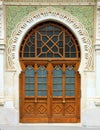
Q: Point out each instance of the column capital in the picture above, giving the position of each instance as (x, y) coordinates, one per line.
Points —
(97, 47)
(2, 47)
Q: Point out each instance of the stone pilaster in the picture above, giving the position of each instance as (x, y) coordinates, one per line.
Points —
(97, 54)
(2, 48)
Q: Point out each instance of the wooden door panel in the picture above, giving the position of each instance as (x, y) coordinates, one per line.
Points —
(52, 106)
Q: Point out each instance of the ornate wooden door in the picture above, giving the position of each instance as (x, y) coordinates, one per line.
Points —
(49, 81)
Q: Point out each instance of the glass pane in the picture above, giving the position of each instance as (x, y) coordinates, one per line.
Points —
(38, 37)
(50, 33)
(55, 38)
(70, 80)
(42, 93)
(32, 54)
(29, 86)
(42, 81)
(29, 93)
(73, 54)
(26, 49)
(70, 93)
(29, 44)
(49, 28)
(67, 39)
(67, 49)
(39, 44)
(57, 86)
(60, 44)
(43, 55)
(49, 54)
(42, 86)
(57, 55)
(32, 48)
(45, 49)
(26, 55)
(57, 81)
(57, 72)
(55, 49)
(57, 93)
(44, 39)
(49, 44)
(73, 49)
(70, 73)
(32, 39)
(70, 87)
(29, 80)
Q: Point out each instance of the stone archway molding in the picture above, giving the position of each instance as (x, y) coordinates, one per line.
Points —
(56, 14)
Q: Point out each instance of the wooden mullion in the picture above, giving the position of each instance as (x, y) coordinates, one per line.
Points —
(35, 82)
(63, 86)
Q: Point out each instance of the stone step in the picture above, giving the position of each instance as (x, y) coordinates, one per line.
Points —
(45, 127)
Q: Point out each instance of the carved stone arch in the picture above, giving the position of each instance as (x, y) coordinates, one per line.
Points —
(58, 15)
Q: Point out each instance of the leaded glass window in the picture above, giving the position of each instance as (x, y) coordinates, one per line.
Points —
(50, 40)
(70, 81)
(42, 81)
(57, 81)
(29, 81)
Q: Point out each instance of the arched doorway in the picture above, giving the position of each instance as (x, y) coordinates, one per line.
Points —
(49, 81)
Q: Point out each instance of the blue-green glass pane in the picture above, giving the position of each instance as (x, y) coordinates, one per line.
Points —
(38, 37)
(70, 73)
(55, 38)
(44, 39)
(57, 55)
(42, 93)
(32, 38)
(57, 72)
(50, 33)
(29, 71)
(42, 72)
(49, 28)
(29, 80)
(55, 49)
(57, 80)
(70, 80)
(70, 93)
(43, 29)
(42, 86)
(57, 87)
(73, 54)
(32, 49)
(45, 49)
(39, 44)
(29, 93)
(57, 93)
(26, 49)
(29, 87)
(70, 87)
(42, 80)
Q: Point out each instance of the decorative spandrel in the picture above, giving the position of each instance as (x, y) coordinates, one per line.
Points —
(50, 40)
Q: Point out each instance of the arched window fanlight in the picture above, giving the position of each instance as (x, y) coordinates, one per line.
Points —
(49, 39)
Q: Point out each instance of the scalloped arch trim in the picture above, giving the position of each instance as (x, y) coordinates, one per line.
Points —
(50, 13)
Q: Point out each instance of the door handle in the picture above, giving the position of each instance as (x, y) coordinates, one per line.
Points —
(64, 101)
(35, 100)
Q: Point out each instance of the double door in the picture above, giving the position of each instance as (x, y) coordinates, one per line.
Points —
(50, 92)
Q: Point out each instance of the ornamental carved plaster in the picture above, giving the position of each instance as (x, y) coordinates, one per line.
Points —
(50, 13)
